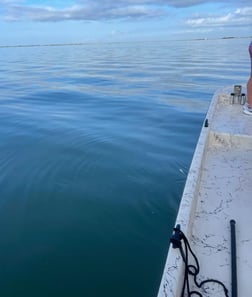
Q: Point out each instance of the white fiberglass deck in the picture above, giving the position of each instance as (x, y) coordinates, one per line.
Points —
(218, 189)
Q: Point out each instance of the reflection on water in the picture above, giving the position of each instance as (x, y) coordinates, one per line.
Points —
(96, 142)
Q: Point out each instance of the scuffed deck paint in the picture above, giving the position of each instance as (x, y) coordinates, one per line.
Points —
(218, 189)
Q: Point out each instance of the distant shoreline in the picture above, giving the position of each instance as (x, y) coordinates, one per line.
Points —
(87, 43)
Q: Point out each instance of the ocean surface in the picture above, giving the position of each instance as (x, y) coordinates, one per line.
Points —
(96, 142)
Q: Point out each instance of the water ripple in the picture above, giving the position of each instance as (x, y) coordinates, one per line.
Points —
(96, 143)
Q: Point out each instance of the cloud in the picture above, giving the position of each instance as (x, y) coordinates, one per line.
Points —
(17, 10)
(239, 17)
(173, 3)
(90, 11)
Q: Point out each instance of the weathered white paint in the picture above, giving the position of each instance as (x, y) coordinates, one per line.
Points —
(218, 188)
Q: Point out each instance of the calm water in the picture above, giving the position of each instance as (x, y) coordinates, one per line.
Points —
(95, 145)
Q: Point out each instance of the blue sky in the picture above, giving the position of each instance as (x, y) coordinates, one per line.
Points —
(70, 21)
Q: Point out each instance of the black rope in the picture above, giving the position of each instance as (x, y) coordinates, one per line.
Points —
(180, 241)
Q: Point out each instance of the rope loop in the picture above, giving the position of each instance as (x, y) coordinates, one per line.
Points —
(180, 241)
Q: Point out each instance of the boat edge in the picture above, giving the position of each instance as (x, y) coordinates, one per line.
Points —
(173, 270)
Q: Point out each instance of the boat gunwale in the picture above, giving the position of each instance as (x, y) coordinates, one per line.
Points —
(173, 271)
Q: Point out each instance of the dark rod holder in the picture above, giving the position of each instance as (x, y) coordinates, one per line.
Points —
(233, 259)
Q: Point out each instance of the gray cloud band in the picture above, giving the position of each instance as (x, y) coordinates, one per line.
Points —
(111, 9)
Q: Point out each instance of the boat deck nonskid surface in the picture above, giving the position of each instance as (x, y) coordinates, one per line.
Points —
(225, 193)
(218, 189)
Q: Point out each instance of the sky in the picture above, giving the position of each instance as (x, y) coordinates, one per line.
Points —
(24, 22)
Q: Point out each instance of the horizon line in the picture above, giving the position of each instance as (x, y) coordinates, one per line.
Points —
(94, 42)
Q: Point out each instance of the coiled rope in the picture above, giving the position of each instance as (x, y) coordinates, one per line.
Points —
(180, 241)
